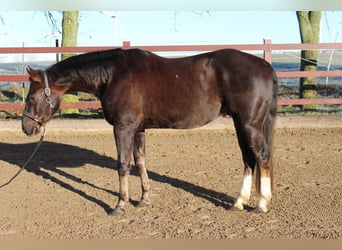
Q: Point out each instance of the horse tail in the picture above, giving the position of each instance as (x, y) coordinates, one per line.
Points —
(268, 129)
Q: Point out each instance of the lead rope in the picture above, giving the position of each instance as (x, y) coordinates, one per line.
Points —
(28, 160)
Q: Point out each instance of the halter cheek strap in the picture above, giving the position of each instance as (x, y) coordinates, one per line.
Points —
(47, 92)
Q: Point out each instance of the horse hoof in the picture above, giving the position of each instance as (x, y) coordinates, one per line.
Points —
(118, 211)
(143, 203)
(235, 209)
(260, 210)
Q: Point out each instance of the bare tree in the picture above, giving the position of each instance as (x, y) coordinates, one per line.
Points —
(309, 27)
(69, 30)
(69, 38)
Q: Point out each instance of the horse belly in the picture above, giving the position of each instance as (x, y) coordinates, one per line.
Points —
(191, 118)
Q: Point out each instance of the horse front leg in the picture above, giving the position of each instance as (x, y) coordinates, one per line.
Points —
(140, 163)
(124, 142)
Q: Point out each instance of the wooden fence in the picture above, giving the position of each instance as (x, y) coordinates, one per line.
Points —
(267, 47)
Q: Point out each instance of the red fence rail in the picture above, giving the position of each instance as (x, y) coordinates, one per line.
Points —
(267, 47)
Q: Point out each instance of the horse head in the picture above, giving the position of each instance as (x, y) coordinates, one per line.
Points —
(42, 102)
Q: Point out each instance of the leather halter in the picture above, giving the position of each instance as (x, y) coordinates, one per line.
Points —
(47, 93)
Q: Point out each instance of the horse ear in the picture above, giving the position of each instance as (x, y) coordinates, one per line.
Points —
(34, 75)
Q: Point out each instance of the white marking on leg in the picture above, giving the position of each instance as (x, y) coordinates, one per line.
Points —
(245, 192)
(246, 187)
(266, 193)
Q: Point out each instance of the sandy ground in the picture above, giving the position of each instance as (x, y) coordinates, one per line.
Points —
(72, 183)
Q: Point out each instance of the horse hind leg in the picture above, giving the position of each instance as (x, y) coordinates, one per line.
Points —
(264, 170)
(247, 180)
(245, 191)
(256, 153)
(140, 163)
(264, 178)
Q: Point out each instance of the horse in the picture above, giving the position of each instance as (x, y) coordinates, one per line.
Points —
(139, 90)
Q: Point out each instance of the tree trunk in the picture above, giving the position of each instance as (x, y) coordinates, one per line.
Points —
(309, 27)
(69, 30)
(69, 38)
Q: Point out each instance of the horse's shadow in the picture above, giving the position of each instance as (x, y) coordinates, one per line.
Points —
(51, 154)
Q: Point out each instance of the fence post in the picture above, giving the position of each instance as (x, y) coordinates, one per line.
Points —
(126, 44)
(57, 54)
(267, 50)
(23, 72)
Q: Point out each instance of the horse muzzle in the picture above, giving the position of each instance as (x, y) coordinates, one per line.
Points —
(31, 124)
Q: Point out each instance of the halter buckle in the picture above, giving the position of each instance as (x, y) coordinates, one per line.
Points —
(47, 91)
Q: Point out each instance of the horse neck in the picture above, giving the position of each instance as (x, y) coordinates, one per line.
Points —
(73, 81)
(88, 72)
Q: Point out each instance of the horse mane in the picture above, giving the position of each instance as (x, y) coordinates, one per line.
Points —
(89, 70)
(82, 63)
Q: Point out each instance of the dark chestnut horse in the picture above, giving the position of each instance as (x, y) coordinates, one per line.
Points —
(140, 90)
